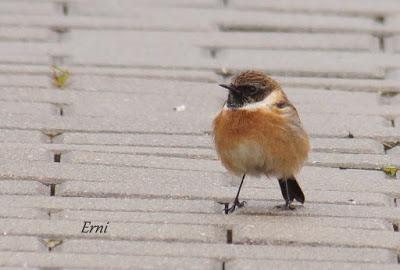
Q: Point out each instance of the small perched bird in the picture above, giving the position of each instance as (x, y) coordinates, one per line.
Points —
(258, 132)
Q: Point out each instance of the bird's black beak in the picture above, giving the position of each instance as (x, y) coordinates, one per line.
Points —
(229, 87)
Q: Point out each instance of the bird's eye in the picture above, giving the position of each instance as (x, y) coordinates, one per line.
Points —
(251, 89)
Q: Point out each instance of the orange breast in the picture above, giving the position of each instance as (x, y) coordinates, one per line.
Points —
(259, 141)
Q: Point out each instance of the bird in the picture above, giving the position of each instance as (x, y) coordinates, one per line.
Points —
(258, 132)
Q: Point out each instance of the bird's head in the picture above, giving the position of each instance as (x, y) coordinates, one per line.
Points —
(249, 87)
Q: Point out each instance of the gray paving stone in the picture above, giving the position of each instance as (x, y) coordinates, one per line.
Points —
(289, 233)
(20, 243)
(353, 84)
(21, 187)
(92, 261)
(50, 172)
(337, 145)
(388, 213)
(22, 136)
(12, 212)
(25, 154)
(136, 139)
(131, 231)
(24, 80)
(26, 34)
(353, 7)
(180, 152)
(26, 108)
(317, 63)
(104, 7)
(24, 59)
(143, 161)
(354, 161)
(218, 219)
(188, 21)
(26, 7)
(262, 264)
(228, 251)
(151, 73)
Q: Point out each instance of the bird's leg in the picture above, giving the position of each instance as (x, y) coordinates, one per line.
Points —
(288, 199)
(236, 202)
(286, 194)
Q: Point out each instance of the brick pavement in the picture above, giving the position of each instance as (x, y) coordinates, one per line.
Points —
(109, 146)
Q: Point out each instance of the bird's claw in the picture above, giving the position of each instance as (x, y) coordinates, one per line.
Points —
(236, 203)
(287, 206)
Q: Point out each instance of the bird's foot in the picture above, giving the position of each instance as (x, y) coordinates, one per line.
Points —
(236, 203)
(287, 206)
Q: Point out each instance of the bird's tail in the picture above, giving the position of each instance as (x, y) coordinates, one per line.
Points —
(293, 188)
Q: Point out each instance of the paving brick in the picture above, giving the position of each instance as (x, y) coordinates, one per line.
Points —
(144, 161)
(136, 139)
(164, 57)
(26, 7)
(337, 145)
(106, 7)
(229, 251)
(89, 261)
(26, 34)
(262, 264)
(290, 233)
(24, 154)
(188, 22)
(151, 73)
(21, 187)
(360, 85)
(24, 80)
(24, 59)
(331, 210)
(20, 243)
(21, 136)
(11, 212)
(131, 231)
(354, 161)
(317, 63)
(180, 152)
(26, 108)
(353, 7)
(219, 219)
